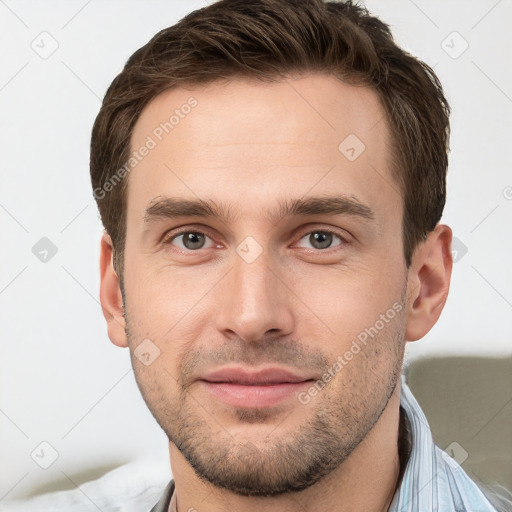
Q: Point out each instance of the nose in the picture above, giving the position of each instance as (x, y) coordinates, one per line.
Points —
(254, 301)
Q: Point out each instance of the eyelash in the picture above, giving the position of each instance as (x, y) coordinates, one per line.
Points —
(167, 241)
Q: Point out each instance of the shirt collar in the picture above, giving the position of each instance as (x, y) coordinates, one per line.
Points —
(432, 480)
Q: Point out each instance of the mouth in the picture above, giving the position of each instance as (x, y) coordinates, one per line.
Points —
(264, 388)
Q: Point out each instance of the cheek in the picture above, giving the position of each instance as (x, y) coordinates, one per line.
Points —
(159, 387)
(164, 297)
(346, 301)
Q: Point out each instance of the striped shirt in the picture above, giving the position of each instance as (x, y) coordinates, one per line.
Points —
(433, 480)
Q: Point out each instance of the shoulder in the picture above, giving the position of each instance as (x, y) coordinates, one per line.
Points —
(134, 486)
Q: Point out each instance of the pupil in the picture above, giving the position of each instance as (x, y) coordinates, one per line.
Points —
(321, 239)
(193, 241)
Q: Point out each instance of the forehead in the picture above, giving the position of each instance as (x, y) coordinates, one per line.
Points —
(241, 140)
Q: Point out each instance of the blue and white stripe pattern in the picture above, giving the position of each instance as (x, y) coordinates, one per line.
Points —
(433, 481)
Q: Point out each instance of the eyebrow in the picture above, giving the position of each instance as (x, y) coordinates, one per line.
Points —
(173, 208)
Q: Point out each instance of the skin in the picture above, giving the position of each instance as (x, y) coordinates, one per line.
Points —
(248, 145)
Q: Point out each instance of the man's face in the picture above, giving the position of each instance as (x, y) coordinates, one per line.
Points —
(255, 290)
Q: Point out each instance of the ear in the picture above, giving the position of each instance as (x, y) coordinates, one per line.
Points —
(110, 294)
(428, 282)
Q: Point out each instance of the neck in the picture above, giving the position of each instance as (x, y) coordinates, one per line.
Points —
(365, 482)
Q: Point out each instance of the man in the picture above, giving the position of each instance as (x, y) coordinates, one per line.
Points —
(271, 177)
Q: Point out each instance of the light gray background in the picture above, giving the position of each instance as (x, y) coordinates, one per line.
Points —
(62, 381)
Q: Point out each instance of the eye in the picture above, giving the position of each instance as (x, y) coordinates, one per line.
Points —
(190, 240)
(322, 239)
(193, 240)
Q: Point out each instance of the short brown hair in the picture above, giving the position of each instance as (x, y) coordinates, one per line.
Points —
(271, 40)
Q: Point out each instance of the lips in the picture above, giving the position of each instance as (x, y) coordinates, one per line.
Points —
(263, 377)
(262, 388)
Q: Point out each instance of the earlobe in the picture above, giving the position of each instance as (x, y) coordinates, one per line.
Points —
(110, 295)
(428, 282)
